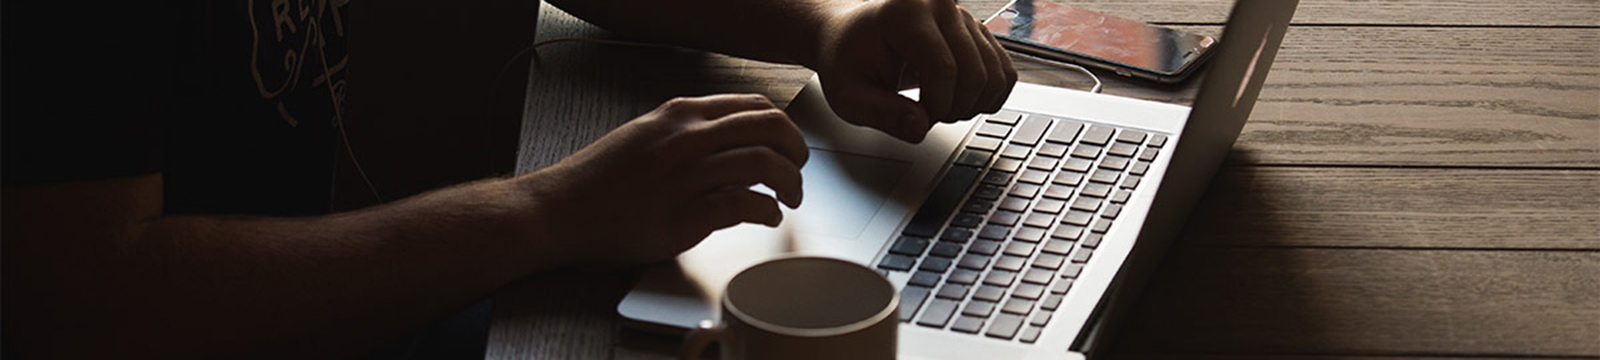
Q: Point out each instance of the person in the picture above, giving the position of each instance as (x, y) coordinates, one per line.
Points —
(109, 251)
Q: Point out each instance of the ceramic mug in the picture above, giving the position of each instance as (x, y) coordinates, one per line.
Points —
(803, 308)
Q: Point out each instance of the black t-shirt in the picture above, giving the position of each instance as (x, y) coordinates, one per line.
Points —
(235, 102)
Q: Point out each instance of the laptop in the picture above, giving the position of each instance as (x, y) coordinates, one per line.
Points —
(1016, 235)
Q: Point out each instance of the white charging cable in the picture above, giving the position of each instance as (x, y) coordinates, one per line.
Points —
(1063, 65)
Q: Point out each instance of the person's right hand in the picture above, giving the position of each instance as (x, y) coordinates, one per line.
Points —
(664, 181)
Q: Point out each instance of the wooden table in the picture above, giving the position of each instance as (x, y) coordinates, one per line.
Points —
(1421, 179)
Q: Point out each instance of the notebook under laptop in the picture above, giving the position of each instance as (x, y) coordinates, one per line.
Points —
(1014, 235)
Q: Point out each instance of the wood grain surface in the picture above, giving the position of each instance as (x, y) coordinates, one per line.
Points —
(1421, 179)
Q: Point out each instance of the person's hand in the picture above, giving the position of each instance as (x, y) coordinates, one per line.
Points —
(865, 48)
(664, 181)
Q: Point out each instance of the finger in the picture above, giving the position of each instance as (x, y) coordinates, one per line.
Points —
(731, 207)
(769, 128)
(994, 74)
(740, 168)
(920, 42)
(1007, 69)
(862, 103)
(970, 75)
(715, 106)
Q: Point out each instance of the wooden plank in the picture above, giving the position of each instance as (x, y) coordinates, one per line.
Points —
(1199, 356)
(562, 315)
(1360, 301)
(1400, 208)
(1349, 12)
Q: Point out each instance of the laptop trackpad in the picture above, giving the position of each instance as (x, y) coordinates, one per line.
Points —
(844, 191)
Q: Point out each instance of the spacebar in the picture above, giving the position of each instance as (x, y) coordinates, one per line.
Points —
(942, 201)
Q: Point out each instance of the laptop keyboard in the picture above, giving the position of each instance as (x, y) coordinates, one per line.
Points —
(1043, 193)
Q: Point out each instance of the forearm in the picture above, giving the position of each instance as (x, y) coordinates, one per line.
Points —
(783, 31)
(273, 287)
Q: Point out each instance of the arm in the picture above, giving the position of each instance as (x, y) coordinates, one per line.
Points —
(94, 269)
(862, 50)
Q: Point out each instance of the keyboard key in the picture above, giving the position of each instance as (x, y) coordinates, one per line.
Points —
(1088, 204)
(1029, 234)
(967, 220)
(1015, 151)
(1005, 117)
(1097, 189)
(1092, 240)
(1058, 191)
(1149, 154)
(974, 262)
(1003, 217)
(944, 199)
(1077, 165)
(938, 313)
(1051, 206)
(896, 262)
(979, 206)
(924, 278)
(994, 130)
(1122, 149)
(1061, 286)
(1121, 196)
(1037, 276)
(1158, 140)
(984, 143)
(1059, 247)
(1067, 232)
(1026, 190)
(1052, 302)
(989, 293)
(1019, 249)
(945, 249)
(1004, 326)
(1086, 151)
(1010, 263)
(984, 247)
(1139, 168)
(1038, 219)
(938, 265)
(1104, 176)
(1132, 181)
(1049, 261)
(994, 232)
(967, 324)
(1082, 255)
(1000, 278)
(1111, 211)
(1097, 134)
(1041, 318)
(997, 178)
(1017, 305)
(1045, 163)
(909, 245)
(974, 158)
(1031, 129)
(1030, 334)
(1065, 132)
(1114, 163)
(1068, 178)
(963, 277)
(979, 308)
(1071, 271)
(1007, 164)
(1034, 176)
(911, 299)
(1101, 226)
(1079, 218)
(1013, 203)
(952, 291)
(989, 192)
(1053, 149)
(1028, 291)
(1131, 136)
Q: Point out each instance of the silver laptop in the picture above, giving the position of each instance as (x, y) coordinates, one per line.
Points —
(1016, 235)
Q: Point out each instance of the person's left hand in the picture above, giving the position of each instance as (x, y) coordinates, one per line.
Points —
(865, 48)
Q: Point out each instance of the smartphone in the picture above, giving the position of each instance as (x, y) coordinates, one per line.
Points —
(1127, 47)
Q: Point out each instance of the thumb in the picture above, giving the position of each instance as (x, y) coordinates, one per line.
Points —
(883, 109)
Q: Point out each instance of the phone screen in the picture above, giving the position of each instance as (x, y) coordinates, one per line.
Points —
(1098, 36)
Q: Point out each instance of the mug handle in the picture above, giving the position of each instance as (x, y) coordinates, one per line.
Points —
(702, 336)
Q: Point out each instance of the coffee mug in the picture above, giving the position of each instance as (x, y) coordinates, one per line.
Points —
(802, 308)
